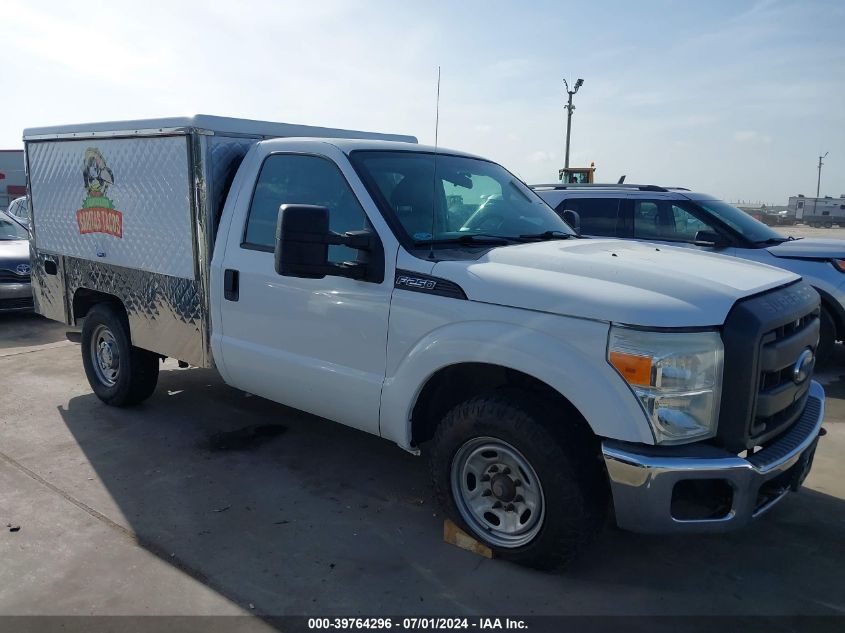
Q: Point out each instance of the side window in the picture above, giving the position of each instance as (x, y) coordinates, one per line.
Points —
(647, 223)
(663, 220)
(599, 216)
(301, 179)
(686, 226)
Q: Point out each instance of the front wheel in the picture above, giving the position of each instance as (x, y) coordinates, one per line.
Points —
(118, 373)
(519, 478)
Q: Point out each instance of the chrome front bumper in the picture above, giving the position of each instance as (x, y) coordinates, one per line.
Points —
(644, 480)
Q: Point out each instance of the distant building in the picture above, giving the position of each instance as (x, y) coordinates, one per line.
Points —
(12, 176)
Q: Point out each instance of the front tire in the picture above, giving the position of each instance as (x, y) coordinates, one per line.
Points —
(518, 478)
(118, 373)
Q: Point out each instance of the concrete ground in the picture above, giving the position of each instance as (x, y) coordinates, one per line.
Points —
(204, 500)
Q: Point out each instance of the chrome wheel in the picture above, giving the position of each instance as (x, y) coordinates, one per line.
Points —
(497, 492)
(105, 355)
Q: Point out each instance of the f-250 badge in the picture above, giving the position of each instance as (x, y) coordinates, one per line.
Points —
(98, 214)
(415, 283)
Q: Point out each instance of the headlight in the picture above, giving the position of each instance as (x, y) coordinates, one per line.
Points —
(676, 375)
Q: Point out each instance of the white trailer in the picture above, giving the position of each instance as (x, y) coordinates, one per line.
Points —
(817, 212)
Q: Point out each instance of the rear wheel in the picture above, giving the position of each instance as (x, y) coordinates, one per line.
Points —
(118, 373)
(828, 225)
(522, 481)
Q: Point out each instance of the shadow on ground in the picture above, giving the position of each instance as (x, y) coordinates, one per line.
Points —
(297, 515)
(18, 329)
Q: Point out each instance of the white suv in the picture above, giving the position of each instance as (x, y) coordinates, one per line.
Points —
(681, 217)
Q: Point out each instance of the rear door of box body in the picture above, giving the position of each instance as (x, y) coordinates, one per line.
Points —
(116, 216)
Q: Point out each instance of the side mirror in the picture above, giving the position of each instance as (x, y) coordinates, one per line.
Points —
(710, 238)
(572, 219)
(302, 246)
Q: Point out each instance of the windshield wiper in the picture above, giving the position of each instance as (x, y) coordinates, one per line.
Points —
(774, 240)
(469, 238)
(547, 235)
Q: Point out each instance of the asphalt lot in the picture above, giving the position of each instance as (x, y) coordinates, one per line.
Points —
(204, 500)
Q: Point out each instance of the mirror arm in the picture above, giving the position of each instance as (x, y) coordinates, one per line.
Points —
(360, 240)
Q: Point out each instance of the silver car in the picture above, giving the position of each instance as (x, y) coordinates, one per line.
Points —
(15, 287)
(680, 217)
(19, 210)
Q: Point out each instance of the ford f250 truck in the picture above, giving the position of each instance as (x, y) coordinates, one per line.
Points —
(430, 297)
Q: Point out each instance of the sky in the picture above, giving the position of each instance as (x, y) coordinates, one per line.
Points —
(737, 99)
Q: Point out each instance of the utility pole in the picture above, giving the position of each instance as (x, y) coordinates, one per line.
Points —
(570, 108)
(819, 181)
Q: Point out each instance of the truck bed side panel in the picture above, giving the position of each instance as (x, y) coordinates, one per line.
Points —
(118, 216)
(134, 211)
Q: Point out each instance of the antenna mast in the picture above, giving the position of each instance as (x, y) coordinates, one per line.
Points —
(434, 176)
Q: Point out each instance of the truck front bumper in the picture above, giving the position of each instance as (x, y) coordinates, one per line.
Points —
(705, 489)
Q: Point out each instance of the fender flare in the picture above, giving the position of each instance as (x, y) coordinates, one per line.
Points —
(567, 366)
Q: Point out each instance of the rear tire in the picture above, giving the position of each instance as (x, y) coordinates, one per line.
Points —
(539, 474)
(119, 374)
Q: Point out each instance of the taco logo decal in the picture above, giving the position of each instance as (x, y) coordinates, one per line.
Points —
(98, 214)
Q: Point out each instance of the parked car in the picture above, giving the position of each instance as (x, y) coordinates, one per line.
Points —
(684, 218)
(545, 375)
(15, 287)
(19, 210)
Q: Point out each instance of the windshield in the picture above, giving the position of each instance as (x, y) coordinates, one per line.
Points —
(751, 229)
(468, 200)
(11, 230)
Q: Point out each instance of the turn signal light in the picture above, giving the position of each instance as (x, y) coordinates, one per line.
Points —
(635, 369)
(838, 264)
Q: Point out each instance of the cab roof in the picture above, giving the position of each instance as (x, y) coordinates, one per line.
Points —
(349, 145)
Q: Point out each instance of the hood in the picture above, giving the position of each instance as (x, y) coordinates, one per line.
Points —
(614, 280)
(809, 248)
(13, 252)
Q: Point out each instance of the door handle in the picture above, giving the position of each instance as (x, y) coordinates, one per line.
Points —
(231, 284)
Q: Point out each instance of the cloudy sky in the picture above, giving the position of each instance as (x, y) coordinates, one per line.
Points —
(729, 97)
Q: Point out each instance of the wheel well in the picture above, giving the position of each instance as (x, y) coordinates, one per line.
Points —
(454, 384)
(829, 305)
(84, 299)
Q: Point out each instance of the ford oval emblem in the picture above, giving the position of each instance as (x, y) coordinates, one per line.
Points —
(22, 269)
(803, 366)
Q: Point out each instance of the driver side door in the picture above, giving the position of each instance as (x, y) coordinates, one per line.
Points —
(314, 344)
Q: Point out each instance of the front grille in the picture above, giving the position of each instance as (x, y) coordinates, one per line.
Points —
(8, 277)
(764, 336)
(779, 399)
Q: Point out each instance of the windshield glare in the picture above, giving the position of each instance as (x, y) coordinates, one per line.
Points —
(740, 221)
(11, 230)
(465, 197)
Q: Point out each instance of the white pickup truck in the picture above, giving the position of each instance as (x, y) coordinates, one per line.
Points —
(431, 298)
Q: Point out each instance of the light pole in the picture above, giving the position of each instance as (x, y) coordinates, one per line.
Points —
(570, 108)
